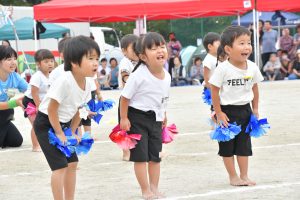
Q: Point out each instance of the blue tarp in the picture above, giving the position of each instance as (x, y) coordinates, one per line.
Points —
(24, 29)
(291, 18)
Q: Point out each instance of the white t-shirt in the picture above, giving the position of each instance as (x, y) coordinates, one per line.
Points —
(68, 94)
(57, 72)
(146, 92)
(210, 62)
(127, 66)
(40, 81)
(236, 84)
(92, 82)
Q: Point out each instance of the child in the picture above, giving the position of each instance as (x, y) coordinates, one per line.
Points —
(113, 76)
(10, 83)
(38, 87)
(234, 87)
(127, 64)
(61, 108)
(143, 110)
(272, 67)
(103, 74)
(211, 43)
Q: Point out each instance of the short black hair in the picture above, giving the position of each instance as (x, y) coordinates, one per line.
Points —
(42, 54)
(62, 44)
(113, 59)
(76, 48)
(298, 26)
(268, 21)
(103, 60)
(196, 59)
(7, 41)
(127, 40)
(231, 33)
(7, 52)
(210, 38)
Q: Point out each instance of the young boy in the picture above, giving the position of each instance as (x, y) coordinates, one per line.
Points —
(211, 43)
(126, 66)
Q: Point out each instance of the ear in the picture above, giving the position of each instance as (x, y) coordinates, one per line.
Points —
(227, 49)
(209, 46)
(143, 57)
(74, 65)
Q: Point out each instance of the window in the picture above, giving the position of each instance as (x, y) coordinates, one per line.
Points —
(111, 38)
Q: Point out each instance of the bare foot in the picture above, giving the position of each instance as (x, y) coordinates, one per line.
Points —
(248, 181)
(157, 193)
(148, 195)
(236, 181)
(36, 149)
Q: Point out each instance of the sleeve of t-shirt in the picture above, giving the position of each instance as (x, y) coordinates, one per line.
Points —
(35, 80)
(58, 89)
(22, 84)
(207, 62)
(217, 78)
(257, 77)
(131, 86)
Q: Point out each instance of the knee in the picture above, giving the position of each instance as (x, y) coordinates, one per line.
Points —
(18, 142)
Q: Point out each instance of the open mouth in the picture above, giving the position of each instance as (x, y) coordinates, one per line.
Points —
(160, 58)
(245, 54)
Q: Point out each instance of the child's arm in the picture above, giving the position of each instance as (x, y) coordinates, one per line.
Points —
(124, 76)
(221, 117)
(206, 74)
(35, 95)
(255, 100)
(124, 122)
(11, 104)
(98, 92)
(54, 120)
(74, 125)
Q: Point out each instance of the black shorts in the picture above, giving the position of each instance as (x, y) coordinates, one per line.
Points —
(25, 103)
(55, 158)
(150, 145)
(241, 144)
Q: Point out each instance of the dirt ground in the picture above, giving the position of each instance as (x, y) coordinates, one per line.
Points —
(191, 170)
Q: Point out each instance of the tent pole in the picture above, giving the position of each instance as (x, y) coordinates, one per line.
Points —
(239, 18)
(145, 23)
(254, 35)
(257, 40)
(34, 36)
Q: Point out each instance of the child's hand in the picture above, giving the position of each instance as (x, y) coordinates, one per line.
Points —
(222, 119)
(99, 97)
(125, 124)
(19, 102)
(91, 114)
(255, 112)
(61, 136)
(164, 123)
(77, 137)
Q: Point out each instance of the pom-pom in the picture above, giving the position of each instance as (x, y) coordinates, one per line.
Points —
(206, 96)
(223, 134)
(168, 133)
(256, 128)
(123, 139)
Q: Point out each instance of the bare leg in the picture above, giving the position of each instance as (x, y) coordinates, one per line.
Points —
(57, 183)
(243, 165)
(154, 174)
(126, 155)
(233, 177)
(140, 169)
(35, 144)
(70, 181)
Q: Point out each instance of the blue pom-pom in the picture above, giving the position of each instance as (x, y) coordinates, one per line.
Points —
(55, 141)
(99, 106)
(225, 134)
(85, 144)
(206, 96)
(97, 118)
(257, 128)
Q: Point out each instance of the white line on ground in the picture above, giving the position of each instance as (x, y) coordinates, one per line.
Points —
(236, 190)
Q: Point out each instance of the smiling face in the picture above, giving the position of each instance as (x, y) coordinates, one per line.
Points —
(88, 66)
(240, 50)
(156, 56)
(8, 65)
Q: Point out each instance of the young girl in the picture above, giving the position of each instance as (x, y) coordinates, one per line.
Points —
(234, 87)
(10, 83)
(143, 110)
(38, 87)
(60, 108)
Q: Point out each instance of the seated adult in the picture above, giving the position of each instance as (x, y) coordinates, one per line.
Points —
(295, 67)
(178, 73)
(196, 72)
(272, 68)
(10, 84)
